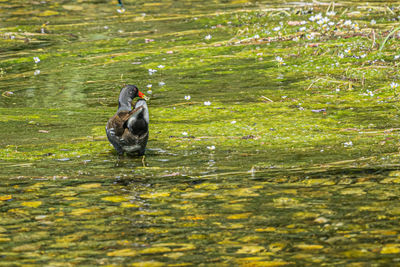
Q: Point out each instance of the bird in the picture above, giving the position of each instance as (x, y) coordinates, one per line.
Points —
(128, 129)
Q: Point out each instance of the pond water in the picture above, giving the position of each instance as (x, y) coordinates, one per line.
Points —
(286, 152)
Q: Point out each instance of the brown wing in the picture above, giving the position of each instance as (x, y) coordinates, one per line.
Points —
(118, 121)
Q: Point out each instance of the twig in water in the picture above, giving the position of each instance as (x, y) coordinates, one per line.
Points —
(373, 39)
(143, 161)
(5, 94)
(344, 12)
(388, 8)
(308, 88)
(266, 98)
(327, 10)
(363, 81)
(387, 38)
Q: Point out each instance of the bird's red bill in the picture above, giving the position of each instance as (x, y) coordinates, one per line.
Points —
(141, 95)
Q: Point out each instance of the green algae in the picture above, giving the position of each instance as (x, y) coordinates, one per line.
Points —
(294, 160)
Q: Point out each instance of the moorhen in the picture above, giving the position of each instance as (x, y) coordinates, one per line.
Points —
(128, 129)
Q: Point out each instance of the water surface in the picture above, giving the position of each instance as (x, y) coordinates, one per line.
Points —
(294, 162)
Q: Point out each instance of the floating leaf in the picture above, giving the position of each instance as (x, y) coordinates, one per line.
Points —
(5, 197)
(31, 204)
(122, 253)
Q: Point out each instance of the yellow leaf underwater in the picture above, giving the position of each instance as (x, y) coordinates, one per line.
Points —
(267, 229)
(155, 195)
(148, 264)
(394, 173)
(239, 216)
(353, 191)
(250, 249)
(26, 247)
(155, 250)
(122, 253)
(195, 195)
(72, 7)
(128, 205)
(31, 204)
(115, 198)
(175, 255)
(156, 230)
(391, 249)
(309, 247)
(88, 186)
(6, 197)
(80, 211)
(275, 247)
(176, 246)
(193, 218)
(254, 262)
(48, 13)
(18, 211)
